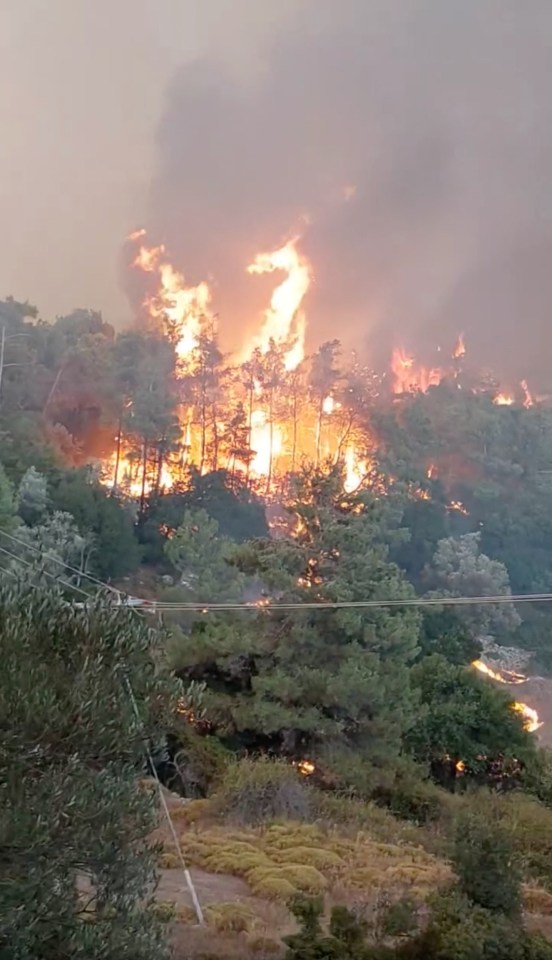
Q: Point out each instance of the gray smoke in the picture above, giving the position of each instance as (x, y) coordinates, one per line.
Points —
(438, 112)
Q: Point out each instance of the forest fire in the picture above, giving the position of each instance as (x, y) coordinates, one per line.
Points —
(271, 408)
(530, 716)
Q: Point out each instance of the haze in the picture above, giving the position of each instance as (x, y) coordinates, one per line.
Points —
(225, 127)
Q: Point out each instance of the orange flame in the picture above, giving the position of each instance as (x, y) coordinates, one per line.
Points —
(507, 676)
(409, 377)
(503, 400)
(531, 721)
(284, 322)
(460, 348)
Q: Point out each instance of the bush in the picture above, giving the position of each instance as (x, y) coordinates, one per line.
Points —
(412, 799)
(254, 791)
(230, 917)
(483, 857)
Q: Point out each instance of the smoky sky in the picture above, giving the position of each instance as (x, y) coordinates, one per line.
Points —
(437, 113)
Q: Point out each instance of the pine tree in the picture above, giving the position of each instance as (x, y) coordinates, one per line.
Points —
(330, 683)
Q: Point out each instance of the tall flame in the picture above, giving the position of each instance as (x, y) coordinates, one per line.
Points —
(284, 321)
(182, 308)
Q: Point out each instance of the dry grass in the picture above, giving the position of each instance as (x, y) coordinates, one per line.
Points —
(537, 901)
(287, 858)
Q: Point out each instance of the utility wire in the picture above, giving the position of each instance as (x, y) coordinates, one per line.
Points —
(205, 607)
(27, 563)
(68, 566)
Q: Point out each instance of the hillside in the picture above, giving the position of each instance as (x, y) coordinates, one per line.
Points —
(245, 876)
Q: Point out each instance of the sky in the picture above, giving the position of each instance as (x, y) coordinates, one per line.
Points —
(409, 142)
(82, 85)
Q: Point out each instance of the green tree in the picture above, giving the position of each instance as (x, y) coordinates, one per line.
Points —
(102, 517)
(200, 555)
(32, 496)
(465, 723)
(460, 570)
(74, 821)
(329, 682)
(54, 548)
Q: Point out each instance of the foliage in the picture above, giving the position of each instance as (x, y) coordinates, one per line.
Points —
(201, 557)
(484, 860)
(465, 720)
(74, 821)
(109, 522)
(254, 791)
(53, 549)
(331, 683)
(7, 503)
(32, 496)
(458, 569)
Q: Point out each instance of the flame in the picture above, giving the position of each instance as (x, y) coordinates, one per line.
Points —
(182, 308)
(431, 472)
(459, 348)
(506, 676)
(530, 716)
(531, 721)
(503, 400)
(355, 470)
(459, 507)
(148, 258)
(266, 442)
(328, 405)
(460, 766)
(527, 398)
(305, 767)
(136, 235)
(409, 377)
(284, 322)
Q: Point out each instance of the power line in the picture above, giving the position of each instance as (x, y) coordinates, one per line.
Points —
(221, 606)
(80, 573)
(46, 573)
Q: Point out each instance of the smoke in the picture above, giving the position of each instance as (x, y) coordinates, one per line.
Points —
(437, 114)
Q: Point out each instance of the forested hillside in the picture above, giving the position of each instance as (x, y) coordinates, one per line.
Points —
(310, 632)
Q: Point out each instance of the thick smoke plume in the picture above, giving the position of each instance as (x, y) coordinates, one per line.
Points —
(410, 143)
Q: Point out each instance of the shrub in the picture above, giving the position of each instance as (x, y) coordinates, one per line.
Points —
(317, 857)
(254, 791)
(272, 886)
(483, 857)
(230, 917)
(304, 878)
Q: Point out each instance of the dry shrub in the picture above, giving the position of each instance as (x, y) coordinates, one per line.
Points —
(168, 861)
(318, 857)
(256, 791)
(192, 812)
(264, 946)
(230, 917)
(234, 860)
(537, 901)
(305, 878)
(272, 886)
